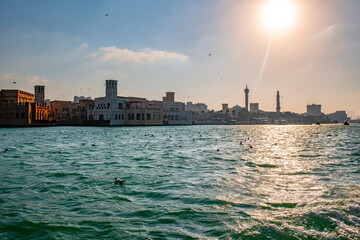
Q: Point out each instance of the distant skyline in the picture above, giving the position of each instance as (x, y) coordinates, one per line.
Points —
(152, 47)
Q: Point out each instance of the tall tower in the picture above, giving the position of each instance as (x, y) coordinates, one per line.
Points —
(39, 94)
(111, 88)
(246, 91)
(278, 102)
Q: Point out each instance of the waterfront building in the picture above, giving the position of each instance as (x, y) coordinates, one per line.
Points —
(77, 98)
(338, 117)
(278, 108)
(60, 111)
(15, 96)
(197, 107)
(140, 111)
(254, 107)
(235, 110)
(12, 114)
(170, 97)
(18, 108)
(174, 112)
(111, 108)
(246, 90)
(79, 111)
(225, 107)
(39, 94)
(314, 110)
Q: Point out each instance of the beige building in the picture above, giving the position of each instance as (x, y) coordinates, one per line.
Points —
(17, 108)
(15, 96)
(60, 111)
(140, 111)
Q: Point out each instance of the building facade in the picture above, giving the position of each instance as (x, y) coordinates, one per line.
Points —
(197, 107)
(110, 108)
(254, 107)
(17, 108)
(313, 110)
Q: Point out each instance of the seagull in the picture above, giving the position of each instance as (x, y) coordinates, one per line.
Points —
(14, 82)
(118, 181)
(209, 54)
(106, 15)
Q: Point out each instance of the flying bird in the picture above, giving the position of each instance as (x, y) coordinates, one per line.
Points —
(209, 54)
(106, 15)
(14, 82)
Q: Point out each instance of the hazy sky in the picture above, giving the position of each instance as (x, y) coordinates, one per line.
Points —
(152, 47)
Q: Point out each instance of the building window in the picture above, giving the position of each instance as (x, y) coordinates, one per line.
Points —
(120, 106)
(132, 116)
(116, 116)
(108, 106)
(129, 118)
(143, 116)
(138, 116)
(148, 116)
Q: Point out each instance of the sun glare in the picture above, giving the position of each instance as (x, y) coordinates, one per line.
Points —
(277, 15)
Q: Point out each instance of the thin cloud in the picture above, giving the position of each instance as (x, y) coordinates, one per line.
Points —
(6, 77)
(35, 80)
(119, 56)
(84, 45)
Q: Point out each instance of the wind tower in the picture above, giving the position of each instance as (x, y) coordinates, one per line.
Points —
(246, 90)
(111, 88)
(39, 94)
(278, 102)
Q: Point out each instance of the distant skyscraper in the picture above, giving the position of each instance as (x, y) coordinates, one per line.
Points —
(278, 102)
(246, 90)
(40, 94)
(111, 88)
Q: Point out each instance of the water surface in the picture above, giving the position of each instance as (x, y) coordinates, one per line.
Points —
(184, 182)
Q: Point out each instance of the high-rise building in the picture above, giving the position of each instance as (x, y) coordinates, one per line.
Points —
(246, 90)
(39, 94)
(278, 102)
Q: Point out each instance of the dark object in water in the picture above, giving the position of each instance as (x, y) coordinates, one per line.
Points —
(346, 122)
(118, 181)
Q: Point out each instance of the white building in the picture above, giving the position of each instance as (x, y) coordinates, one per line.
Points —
(77, 98)
(109, 108)
(174, 112)
(197, 107)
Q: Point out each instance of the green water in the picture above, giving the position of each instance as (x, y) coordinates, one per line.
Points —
(186, 182)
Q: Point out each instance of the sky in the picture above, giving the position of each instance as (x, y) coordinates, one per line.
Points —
(151, 47)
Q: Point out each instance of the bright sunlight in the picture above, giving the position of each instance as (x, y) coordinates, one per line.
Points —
(277, 15)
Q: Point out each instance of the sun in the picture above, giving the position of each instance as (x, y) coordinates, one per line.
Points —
(278, 15)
